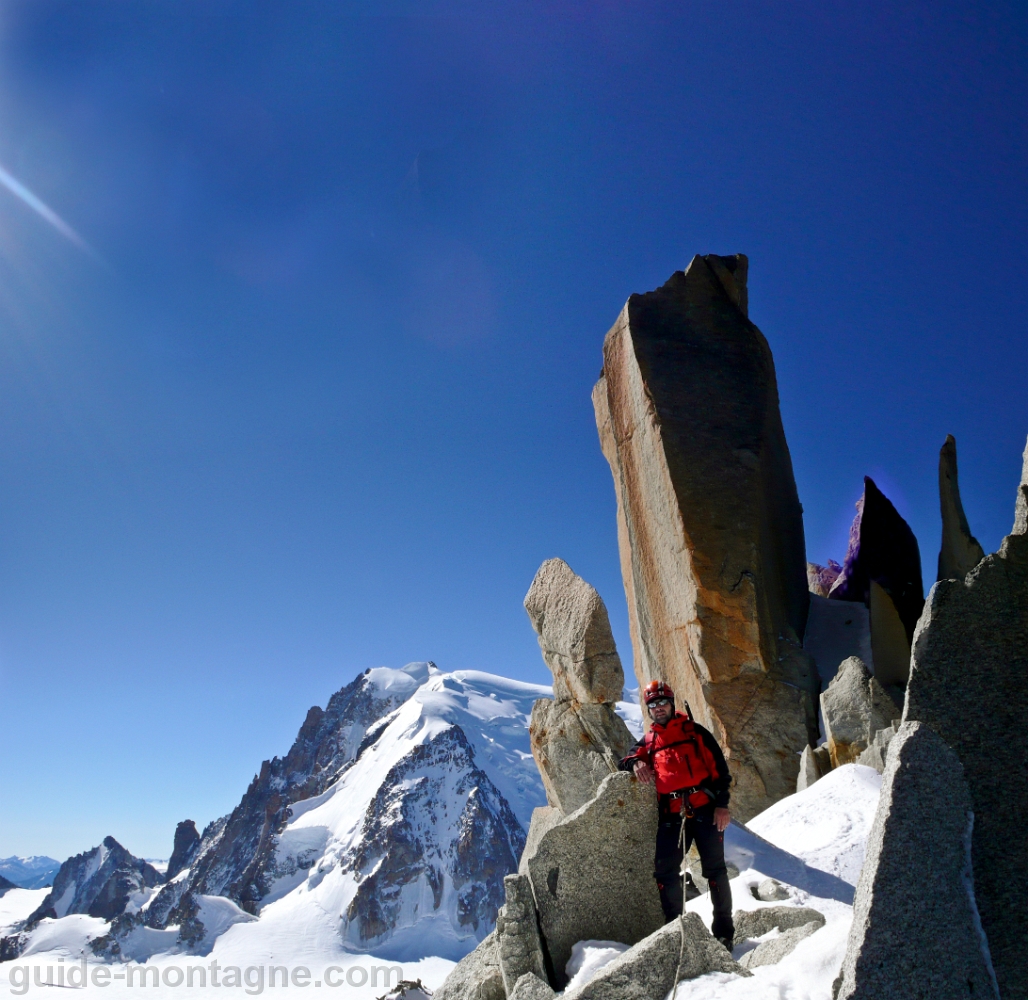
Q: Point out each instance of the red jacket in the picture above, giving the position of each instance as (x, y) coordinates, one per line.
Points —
(683, 755)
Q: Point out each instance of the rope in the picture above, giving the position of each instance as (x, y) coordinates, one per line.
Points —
(681, 916)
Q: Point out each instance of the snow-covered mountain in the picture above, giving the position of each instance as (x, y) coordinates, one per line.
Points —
(103, 882)
(395, 814)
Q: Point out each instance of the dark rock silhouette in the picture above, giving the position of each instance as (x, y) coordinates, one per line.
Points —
(882, 550)
(187, 841)
(960, 551)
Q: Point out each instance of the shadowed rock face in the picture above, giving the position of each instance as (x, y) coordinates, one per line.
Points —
(709, 523)
(187, 841)
(882, 549)
(960, 551)
(400, 844)
(100, 882)
(913, 932)
(967, 681)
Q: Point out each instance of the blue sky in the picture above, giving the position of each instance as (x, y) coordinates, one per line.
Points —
(318, 399)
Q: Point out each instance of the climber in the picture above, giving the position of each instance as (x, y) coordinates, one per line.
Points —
(692, 784)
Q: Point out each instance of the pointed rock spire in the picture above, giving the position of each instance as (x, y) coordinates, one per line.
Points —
(960, 551)
(882, 548)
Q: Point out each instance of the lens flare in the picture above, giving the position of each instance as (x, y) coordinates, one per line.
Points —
(41, 208)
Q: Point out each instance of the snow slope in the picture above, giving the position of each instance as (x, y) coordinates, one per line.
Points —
(813, 842)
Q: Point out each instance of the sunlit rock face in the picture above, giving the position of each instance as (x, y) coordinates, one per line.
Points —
(577, 738)
(710, 527)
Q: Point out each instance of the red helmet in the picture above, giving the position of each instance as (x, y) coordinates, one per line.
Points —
(657, 689)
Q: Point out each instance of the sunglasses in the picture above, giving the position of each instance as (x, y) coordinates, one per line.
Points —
(660, 701)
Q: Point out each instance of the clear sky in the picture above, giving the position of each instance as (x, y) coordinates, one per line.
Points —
(303, 386)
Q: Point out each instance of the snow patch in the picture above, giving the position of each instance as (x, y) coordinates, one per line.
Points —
(588, 958)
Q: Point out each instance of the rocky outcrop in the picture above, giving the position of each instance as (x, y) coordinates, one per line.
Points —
(5, 885)
(774, 950)
(517, 933)
(854, 707)
(604, 851)
(710, 527)
(967, 683)
(184, 848)
(531, 987)
(960, 551)
(1021, 507)
(815, 763)
(477, 976)
(576, 746)
(794, 922)
(655, 964)
(915, 927)
(751, 924)
(875, 754)
(577, 738)
(821, 579)
(102, 883)
(771, 890)
(882, 549)
(401, 846)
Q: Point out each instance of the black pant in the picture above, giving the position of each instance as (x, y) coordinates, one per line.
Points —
(667, 865)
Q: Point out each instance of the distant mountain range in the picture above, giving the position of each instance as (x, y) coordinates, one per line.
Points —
(35, 872)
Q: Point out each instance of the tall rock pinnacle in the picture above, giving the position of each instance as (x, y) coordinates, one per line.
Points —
(710, 527)
(577, 737)
(960, 551)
